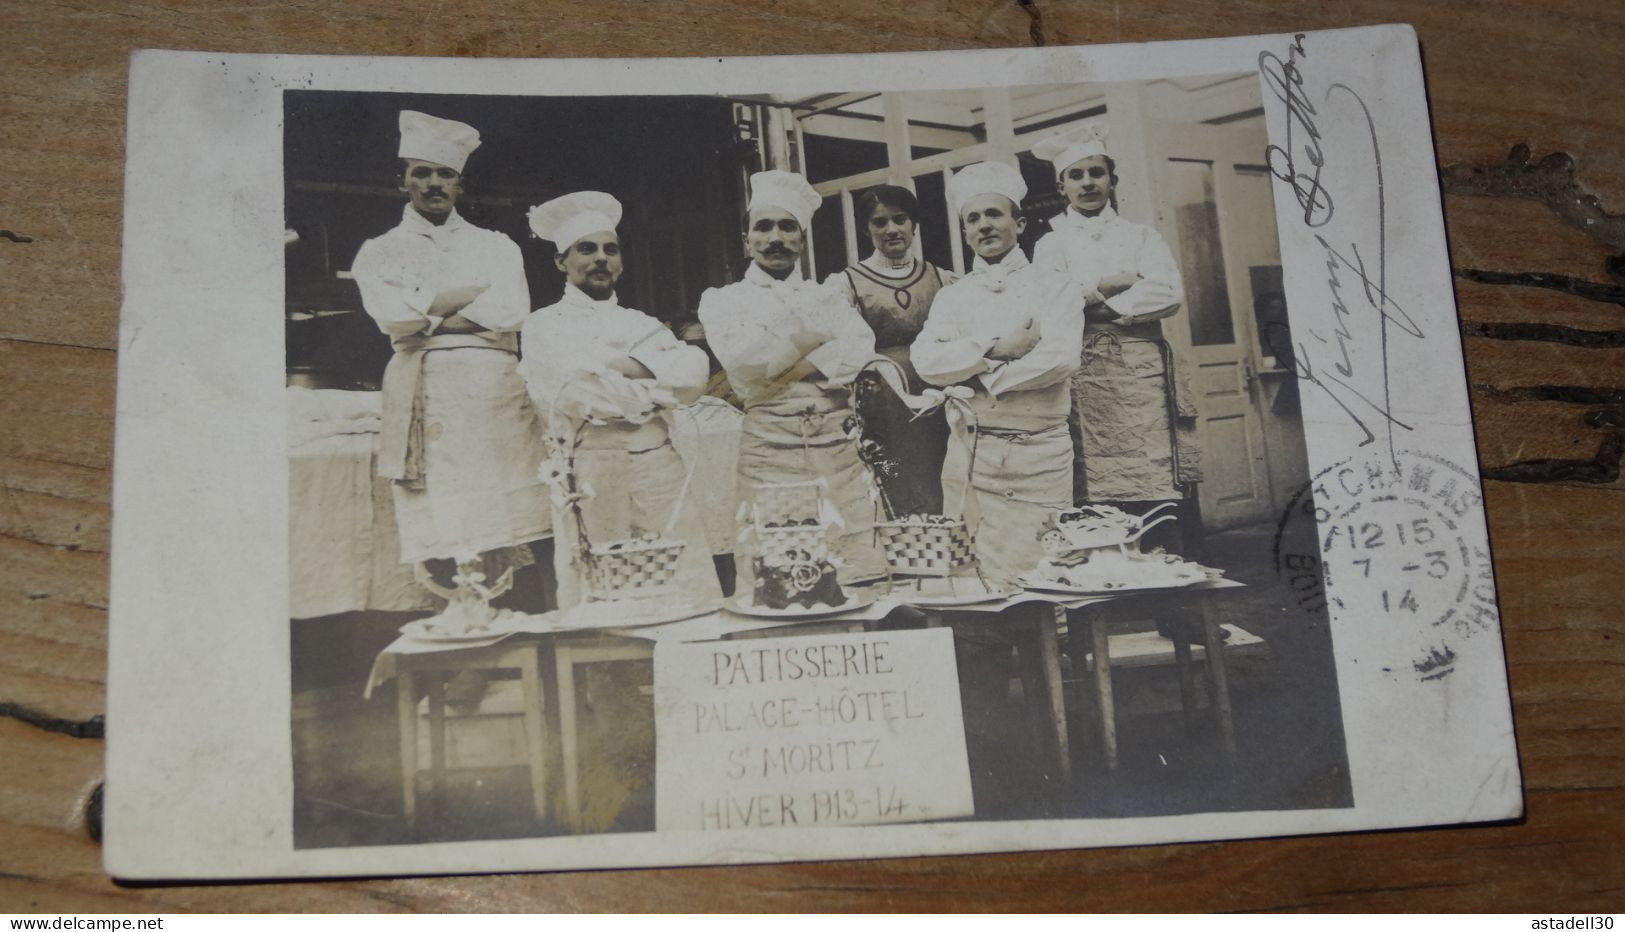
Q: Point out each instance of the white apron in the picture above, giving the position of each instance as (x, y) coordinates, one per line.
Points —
(480, 444)
(638, 480)
(1020, 479)
(800, 436)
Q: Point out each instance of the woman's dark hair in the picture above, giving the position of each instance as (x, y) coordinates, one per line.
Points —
(891, 196)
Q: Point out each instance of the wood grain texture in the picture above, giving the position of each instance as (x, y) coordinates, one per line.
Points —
(1542, 72)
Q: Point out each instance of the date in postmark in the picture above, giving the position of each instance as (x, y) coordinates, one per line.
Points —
(1387, 539)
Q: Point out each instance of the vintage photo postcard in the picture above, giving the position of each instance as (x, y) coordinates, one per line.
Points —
(591, 463)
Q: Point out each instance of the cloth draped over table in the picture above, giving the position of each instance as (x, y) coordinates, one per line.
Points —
(1023, 454)
(460, 437)
(909, 449)
(619, 430)
(795, 430)
(342, 551)
(1134, 416)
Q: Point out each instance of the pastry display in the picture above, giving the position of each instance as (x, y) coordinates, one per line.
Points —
(919, 544)
(1096, 548)
(632, 568)
(796, 578)
(468, 612)
(643, 565)
(926, 545)
(793, 567)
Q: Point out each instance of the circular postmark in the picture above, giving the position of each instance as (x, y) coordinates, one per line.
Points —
(1392, 538)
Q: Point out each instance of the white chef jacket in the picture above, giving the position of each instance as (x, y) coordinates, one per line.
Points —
(458, 434)
(1091, 248)
(969, 316)
(401, 271)
(623, 451)
(748, 326)
(567, 347)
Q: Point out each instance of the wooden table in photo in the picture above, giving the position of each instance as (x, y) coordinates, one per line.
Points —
(1034, 617)
(435, 667)
(1218, 680)
(574, 649)
(1042, 614)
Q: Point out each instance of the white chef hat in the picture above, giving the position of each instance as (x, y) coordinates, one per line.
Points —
(563, 220)
(1073, 146)
(787, 191)
(986, 178)
(431, 139)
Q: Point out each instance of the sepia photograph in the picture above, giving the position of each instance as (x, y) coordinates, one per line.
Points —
(697, 461)
(575, 381)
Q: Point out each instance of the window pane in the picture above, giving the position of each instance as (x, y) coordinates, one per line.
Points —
(940, 121)
(830, 157)
(936, 234)
(1042, 110)
(1200, 252)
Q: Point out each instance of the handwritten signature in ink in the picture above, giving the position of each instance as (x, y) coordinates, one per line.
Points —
(1371, 403)
(1285, 80)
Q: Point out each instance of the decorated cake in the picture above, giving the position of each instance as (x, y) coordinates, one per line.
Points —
(466, 618)
(468, 611)
(1097, 548)
(796, 578)
(791, 524)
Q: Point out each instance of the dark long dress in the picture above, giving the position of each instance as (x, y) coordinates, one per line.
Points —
(906, 454)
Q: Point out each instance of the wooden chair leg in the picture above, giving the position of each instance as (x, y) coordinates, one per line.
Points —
(437, 741)
(564, 666)
(406, 714)
(1187, 678)
(1103, 689)
(1218, 679)
(1049, 656)
(535, 734)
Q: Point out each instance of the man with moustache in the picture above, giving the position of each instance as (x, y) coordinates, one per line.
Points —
(606, 377)
(1011, 333)
(790, 349)
(459, 437)
(1136, 422)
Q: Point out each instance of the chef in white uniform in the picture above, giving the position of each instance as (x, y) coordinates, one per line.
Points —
(1010, 332)
(1136, 421)
(606, 378)
(791, 348)
(459, 438)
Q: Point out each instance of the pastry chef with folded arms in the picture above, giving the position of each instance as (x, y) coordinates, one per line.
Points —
(790, 348)
(1010, 332)
(606, 377)
(459, 438)
(1127, 397)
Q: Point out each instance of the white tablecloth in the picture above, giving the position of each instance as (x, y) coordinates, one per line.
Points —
(717, 625)
(343, 555)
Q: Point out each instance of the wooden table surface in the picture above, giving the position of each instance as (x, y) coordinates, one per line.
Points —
(1541, 286)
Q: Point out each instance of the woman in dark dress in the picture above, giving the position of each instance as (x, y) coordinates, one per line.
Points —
(893, 291)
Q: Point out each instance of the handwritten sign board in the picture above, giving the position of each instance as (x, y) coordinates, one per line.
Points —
(840, 729)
